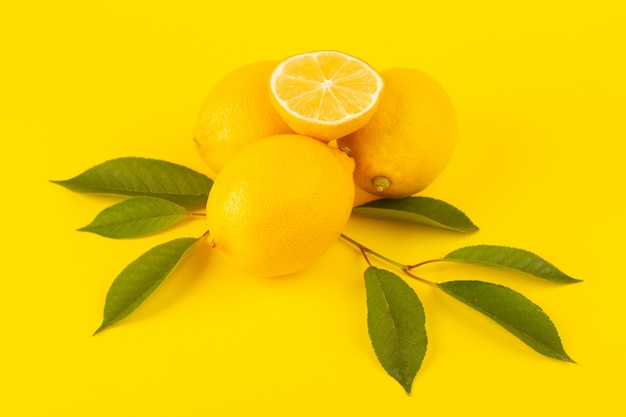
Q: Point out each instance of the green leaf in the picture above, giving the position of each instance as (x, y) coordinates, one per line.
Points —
(511, 259)
(513, 311)
(141, 277)
(135, 217)
(144, 177)
(396, 324)
(421, 210)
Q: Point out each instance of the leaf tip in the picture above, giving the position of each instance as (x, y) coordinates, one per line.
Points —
(566, 358)
(87, 229)
(467, 229)
(99, 329)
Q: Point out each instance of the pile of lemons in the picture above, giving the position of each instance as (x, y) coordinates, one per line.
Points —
(289, 140)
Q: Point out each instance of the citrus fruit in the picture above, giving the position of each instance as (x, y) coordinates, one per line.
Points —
(325, 94)
(236, 112)
(280, 203)
(409, 140)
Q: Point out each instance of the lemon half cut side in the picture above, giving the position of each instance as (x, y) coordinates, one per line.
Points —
(325, 94)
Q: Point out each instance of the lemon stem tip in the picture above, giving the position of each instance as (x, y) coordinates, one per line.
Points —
(381, 183)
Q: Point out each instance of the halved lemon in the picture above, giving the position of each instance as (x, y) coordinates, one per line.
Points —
(325, 94)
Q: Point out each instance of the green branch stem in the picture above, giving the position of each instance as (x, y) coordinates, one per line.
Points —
(407, 269)
(417, 265)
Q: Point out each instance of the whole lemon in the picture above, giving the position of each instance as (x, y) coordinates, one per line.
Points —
(236, 112)
(409, 140)
(280, 203)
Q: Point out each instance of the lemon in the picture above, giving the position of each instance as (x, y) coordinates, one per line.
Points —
(236, 112)
(409, 140)
(280, 203)
(325, 94)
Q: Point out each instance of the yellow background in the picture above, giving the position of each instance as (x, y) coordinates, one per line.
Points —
(539, 91)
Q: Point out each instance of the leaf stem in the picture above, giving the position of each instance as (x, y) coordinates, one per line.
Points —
(408, 272)
(424, 263)
(365, 251)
